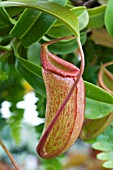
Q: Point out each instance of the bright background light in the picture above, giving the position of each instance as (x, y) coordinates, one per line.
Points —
(30, 114)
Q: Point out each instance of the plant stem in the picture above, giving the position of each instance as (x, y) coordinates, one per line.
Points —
(9, 155)
(6, 48)
(103, 71)
(58, 39)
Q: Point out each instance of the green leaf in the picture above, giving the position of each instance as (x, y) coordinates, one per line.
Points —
(99, 103)
(31, 72)
(60, 2)
(37, 25)
(7, 90)
(4, 16)
(34, 80)
(4, 29)
(53, 9)
(82, 16)
(3, 76)
(66, 47)
(93, 127)
(38, 30)
(39, 128)
(25, 22)
(14, 11)
(3, 121)
(96, 93)
(40, 106)
(103, 146)
(108, 164)
(60, 30)
(104, 143)
(52, 164)
(96, 17)
(5, 22)
(105, 156)
(96, 109)
(108, 17)
(33, 53)
(63, 48)
(32, 67)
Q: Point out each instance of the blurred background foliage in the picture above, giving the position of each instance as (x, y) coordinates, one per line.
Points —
(29, 28)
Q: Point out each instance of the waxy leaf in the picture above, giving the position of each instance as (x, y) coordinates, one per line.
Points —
(109, 17)
(5, 22)
(28, 17)
(36, 69)
(31, 73)
(33, 79)
(82, 16)
(98, 109)
(4, 17)
(14, 11)
(61, 30)
(93, 127)
(96, 93)
(53, 9)
(38, 30)
(33, 53)
(25, 22)
(99, 103)
(96, 17)
(37, 25)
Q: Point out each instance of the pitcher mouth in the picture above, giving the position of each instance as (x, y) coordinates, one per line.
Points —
(55, 64)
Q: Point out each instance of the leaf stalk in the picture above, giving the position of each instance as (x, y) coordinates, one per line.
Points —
(9, 155)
